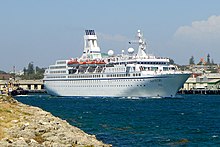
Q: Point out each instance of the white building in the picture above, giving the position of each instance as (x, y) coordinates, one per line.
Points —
(210, 81)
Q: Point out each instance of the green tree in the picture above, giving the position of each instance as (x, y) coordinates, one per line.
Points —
(191, 61)
(212, 62)
(25, 71)
(39, 73)
(2, 72)
(172, 61)
(208, 59)
(31, 74)
(30, 69)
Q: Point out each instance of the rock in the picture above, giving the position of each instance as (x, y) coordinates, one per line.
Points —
(34, 127)
(34, 143)
(9, 140)
(20, 142)
(14, 121)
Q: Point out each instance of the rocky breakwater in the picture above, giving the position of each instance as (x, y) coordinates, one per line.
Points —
(23, 125)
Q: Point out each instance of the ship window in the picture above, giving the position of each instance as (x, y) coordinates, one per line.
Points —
(165, 68)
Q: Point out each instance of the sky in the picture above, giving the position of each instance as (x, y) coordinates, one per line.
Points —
(43, 31)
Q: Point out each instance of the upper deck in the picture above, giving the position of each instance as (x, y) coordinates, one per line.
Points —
(91, 61)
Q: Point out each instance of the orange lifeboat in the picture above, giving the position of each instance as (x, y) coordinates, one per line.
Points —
(92, 63)
(83, 63)
(73, 62)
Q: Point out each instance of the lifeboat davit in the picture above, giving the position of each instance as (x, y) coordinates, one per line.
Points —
(100, 62)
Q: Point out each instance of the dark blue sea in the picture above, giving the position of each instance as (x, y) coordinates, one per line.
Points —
(187, 120)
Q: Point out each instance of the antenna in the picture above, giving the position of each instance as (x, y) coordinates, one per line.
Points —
(142, 45)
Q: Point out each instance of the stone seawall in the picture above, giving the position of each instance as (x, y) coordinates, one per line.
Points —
(23, 125)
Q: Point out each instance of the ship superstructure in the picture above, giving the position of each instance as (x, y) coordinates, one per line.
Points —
(128, 75)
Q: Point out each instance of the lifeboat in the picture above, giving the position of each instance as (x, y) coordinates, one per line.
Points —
(73, 62)
(91, 63)
(83, 63)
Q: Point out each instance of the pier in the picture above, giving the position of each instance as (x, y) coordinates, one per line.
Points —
(202, 84)
(27, 86)
(200, 91)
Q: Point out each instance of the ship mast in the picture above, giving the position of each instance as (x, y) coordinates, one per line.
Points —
(141, 44)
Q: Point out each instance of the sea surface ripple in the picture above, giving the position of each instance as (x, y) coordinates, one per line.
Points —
(191, 120)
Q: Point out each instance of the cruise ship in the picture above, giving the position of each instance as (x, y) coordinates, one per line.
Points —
(133, 73)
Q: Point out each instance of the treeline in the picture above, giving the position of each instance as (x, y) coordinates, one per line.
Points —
(2, 72)
(202, 61)
(32, 73)
(212, 67)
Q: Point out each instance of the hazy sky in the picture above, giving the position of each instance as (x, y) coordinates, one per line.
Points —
(42, 31)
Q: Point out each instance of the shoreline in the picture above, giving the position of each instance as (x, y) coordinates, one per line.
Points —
(24, 125)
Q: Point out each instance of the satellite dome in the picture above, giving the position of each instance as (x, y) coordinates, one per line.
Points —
(110, 52)
(130, 50)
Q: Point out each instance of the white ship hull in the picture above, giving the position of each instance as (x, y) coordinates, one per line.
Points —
(165, 85)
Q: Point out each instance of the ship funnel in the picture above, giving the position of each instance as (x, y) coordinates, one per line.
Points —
(91, 48)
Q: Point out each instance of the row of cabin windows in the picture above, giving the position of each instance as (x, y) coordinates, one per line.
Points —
(56, 77)
(113, 69)
(99, 76)
(156, 68)
(85, 76)
(57, 67)
(95, 76)
(119, 75)
(57, 71)
(134, 62)
(98, 85)
(109, 82)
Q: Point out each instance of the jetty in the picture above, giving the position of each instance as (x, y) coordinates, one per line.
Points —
(21, 87)
(24, 125)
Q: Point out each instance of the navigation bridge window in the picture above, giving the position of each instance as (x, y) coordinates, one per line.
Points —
(61, 62)
(90, 32)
